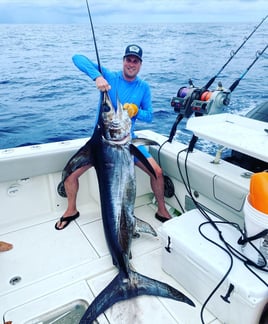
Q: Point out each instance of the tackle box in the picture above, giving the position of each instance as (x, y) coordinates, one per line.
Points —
(199, 266)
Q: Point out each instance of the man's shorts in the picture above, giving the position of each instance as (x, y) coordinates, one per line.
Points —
(144, 151)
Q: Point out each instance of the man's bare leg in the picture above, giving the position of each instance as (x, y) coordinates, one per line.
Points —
(157, 185)
(71, 185)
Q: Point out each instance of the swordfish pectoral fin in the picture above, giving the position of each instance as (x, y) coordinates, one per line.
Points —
(137, 153)
(144, 227)
(122, 288)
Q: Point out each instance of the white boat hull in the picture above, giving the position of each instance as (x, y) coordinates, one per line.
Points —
(48, 269)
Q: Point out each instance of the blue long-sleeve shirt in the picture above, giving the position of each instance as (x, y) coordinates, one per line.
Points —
(136, 91)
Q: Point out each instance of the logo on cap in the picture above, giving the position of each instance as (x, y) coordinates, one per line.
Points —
(134, 48)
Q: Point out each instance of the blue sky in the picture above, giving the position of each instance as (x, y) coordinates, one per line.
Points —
(132, 11)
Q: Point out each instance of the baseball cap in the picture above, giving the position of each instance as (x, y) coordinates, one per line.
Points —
(134, 50)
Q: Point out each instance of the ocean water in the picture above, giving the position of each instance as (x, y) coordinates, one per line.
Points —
(45, 98)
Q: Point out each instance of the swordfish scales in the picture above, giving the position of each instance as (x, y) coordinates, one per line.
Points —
(113, 152)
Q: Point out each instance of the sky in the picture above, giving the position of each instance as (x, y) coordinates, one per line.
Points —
(132, 11)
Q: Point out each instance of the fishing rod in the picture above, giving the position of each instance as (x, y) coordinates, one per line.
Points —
(233, 53)
(94, 38)
(236, 82)
(105, 95)
(202, 101)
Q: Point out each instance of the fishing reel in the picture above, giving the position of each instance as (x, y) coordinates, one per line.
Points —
(200, 101)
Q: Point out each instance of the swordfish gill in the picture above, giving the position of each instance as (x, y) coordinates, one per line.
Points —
(113, 160)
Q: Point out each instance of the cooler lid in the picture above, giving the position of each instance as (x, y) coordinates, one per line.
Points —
(186, 239)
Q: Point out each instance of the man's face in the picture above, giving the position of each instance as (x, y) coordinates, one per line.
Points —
(131, 67)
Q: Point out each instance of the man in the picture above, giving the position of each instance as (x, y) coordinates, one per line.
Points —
(135, 95)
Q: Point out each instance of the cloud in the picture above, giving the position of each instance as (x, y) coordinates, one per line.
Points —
(181, 10)
(129, 11)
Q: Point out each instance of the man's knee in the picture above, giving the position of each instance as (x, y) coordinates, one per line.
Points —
(158, 171)
(71, 178)
(76, 174)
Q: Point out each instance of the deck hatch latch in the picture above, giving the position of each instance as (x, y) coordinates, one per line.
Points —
(228, 294)
(168, 246)
(15, 280)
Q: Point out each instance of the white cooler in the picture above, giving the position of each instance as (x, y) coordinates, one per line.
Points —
(198, 265)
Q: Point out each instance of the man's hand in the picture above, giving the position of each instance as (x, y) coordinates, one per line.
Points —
(102, 84)
(132, 109)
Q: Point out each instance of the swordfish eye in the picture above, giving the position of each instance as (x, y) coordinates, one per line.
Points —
(105, 107)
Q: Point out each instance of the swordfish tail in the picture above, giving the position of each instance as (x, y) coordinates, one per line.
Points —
(122, 288)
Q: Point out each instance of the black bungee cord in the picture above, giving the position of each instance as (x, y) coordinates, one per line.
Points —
(227, 248)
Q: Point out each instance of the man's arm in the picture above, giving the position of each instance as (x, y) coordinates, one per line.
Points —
(91, 69)
(145, 112)
(86, 66)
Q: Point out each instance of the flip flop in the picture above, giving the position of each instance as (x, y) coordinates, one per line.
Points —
(161, 218)
(67, 221)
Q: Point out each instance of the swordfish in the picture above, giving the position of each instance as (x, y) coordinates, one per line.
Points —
(113, 151)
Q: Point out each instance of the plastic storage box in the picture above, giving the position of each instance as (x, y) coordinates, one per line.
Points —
(199, 266)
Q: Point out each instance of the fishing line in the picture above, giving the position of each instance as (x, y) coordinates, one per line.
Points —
(233, 53)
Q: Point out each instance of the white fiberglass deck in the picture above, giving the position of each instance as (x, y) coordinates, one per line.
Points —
(57, 267)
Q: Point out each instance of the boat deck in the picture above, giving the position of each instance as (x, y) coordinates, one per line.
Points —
(48, 269)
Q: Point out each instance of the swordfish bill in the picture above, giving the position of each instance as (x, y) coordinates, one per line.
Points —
(113, 151)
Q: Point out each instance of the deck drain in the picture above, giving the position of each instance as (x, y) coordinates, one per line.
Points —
(15, 280)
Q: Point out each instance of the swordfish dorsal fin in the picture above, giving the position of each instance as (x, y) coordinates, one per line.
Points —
(137, 153)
